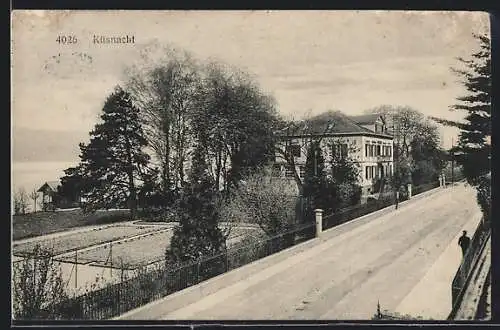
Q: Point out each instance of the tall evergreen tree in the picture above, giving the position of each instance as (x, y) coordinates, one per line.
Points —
(198, 234)
(473, 151)
(113, 162)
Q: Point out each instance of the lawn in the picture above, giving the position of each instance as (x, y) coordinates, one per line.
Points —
(142, 250)
(77, 241)
(42, 223)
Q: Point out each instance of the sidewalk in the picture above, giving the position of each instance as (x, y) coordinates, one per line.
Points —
(431, 297)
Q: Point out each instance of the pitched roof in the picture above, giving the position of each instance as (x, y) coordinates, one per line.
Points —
(367, 119)
(341, 124)
(317, 125)
(51, 184)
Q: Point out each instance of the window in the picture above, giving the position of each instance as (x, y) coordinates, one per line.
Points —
(289, 172)
(343, 150)
(339, 150)
(390, 150)
(293, 150)
(367, 146)
(367, 170)
(302, 171)
(378, 150)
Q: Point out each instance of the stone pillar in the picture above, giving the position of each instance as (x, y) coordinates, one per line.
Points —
(409, 190)
(444, 181)
(319, 221)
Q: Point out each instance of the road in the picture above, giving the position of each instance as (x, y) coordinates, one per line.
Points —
(344, 276)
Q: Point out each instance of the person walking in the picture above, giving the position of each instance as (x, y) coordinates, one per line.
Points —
(464, 242)
(397, 199)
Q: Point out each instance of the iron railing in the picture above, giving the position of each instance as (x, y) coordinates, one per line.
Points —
(147, 286)
(347, 214)
(116, 299)
(468, 263)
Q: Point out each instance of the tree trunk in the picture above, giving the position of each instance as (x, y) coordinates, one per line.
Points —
(166, 161)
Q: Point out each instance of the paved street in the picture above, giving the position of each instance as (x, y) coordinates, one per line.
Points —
(344, 275)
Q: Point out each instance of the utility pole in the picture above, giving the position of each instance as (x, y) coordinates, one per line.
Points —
(76, 269)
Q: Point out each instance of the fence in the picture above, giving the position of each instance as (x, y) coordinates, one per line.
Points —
(356, 211)
(148, 286)
(424, 187)
(468, 263)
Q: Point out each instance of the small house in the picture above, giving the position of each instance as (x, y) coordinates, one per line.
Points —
(49, 194)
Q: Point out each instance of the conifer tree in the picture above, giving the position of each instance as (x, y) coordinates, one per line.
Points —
(198, 234)
(474, 148)
(113, 163)
(473, 151)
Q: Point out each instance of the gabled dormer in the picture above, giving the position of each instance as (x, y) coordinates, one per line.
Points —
(373, 122)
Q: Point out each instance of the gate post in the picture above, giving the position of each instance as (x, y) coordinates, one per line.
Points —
(319, 221)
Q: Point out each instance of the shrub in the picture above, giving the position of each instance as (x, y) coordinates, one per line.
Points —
(37, 286)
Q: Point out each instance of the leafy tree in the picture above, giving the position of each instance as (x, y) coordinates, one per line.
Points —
(343, 176)
(417, 153)
(37, 286)
(233, 121)
(71, 183)
(113, 162)
(428, 160)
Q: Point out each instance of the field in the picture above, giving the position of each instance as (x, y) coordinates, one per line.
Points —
(77, 241)
(136, 251)
(42, 223)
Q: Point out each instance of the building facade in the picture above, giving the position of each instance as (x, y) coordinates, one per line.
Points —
(364, 139)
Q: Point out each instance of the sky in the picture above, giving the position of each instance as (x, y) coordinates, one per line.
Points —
(310, 61)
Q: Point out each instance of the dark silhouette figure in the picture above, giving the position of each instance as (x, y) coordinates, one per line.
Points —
(464, 242)
(397, 199)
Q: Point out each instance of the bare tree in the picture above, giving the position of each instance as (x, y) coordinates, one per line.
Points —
(20, 201)
(163, 89)
(34, 198)
(284, 135)
(407, 125)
